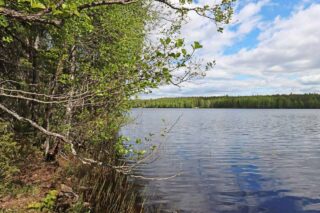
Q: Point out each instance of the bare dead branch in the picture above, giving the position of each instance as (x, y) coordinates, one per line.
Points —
(44, 95)
(32, 99)
(28, 17)
(103, 3)
(156, 178)
(184, 10)
(40, 128)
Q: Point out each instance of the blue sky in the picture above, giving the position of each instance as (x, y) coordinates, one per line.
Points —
(270, 47)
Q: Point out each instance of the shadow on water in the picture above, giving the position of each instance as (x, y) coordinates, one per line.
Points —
(231, 161)
(234, 161)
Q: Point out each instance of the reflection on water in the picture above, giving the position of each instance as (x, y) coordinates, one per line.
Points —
(233, 160)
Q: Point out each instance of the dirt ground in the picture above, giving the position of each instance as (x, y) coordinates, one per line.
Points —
(31, 184)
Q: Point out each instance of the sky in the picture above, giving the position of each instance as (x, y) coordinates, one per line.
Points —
(270, 47)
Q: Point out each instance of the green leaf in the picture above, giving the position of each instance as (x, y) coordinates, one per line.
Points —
(2, 3)
(159, 54)
(179, 42)
(76, 12)
(3, 21)
(38, 5)
(168, 40)
(162, 41)
(165, 71)
(57, 12)
(184, 52)
(7, 39)
(197, 45)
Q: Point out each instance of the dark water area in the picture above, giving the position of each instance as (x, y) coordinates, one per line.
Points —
(231, 160)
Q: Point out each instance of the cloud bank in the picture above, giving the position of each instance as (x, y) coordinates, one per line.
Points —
(258, 53)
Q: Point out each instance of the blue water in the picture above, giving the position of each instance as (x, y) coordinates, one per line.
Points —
(230, 160)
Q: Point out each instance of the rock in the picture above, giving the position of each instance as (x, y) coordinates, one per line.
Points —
(86, 205)
(66, 189)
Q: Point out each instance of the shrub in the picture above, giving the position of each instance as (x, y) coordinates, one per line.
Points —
(8, 155)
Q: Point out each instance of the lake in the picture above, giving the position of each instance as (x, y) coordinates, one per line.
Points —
(231, 160)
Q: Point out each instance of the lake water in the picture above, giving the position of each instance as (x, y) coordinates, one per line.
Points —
(231, 160)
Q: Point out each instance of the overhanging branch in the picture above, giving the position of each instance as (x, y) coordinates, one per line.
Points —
(40, 128)
(102, 3)
(28, 17)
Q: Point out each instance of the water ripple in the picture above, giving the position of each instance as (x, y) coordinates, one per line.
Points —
(233, 160)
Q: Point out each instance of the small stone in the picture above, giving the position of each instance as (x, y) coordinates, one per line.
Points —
(86, 204)
(66, 189)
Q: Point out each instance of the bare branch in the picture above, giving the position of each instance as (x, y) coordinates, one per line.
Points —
(32, 99)
(40, 128)
(156, 178)
(103, 3)
(184, 10)
(44, 95)
(28, 17)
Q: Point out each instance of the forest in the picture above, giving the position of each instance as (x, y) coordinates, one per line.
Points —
(68, 72)
(292, 101)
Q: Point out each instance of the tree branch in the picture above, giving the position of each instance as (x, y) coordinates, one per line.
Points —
(28, 17)
(83, 95)
(40, 128)
(103, 3)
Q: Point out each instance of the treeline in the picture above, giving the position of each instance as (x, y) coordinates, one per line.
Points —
(292, 101)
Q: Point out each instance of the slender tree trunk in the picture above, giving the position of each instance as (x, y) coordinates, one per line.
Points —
(34, 75)
(69, 108)
(51, 154)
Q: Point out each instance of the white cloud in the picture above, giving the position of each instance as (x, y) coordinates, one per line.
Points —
(311, 79)
(285, 60)
(204, 30)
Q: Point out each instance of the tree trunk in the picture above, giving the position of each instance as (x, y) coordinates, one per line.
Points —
(69, 108)
(50, 155)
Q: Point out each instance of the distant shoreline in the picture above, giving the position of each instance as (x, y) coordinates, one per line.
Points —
(292, 101)
(212, 108)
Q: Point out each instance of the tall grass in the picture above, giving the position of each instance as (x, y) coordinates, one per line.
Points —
(107, 190)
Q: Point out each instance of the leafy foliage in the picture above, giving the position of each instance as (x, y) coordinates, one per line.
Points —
(47, 203)
(71, 67)
(8, 155)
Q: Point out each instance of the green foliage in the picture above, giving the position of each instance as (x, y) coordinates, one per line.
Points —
(47, 203)
(273, 101)
(71, 67)
(3, 21)
(197, 45)
(120, 146)
(8, 155)
(102, 51)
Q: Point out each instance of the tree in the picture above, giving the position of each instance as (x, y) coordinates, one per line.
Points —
(70, 67)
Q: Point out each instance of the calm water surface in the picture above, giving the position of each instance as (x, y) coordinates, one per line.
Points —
(232, 160)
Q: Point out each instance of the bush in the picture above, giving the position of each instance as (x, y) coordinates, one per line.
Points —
(47, 203)
(8, 155)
